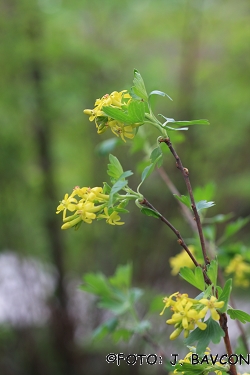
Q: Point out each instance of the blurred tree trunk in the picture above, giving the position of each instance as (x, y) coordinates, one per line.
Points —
(62, 325)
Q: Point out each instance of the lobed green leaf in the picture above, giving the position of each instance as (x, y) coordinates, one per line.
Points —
(183, 199)
(194, 278)
(242, 316)
(213, 333)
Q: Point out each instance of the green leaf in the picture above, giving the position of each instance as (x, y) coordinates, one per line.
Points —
(115, 169)
(122, 277)
(139, 87)
(122, 334)
(225, 295)
(189, 123)
(183, 199)
(106, 188)
(104, 329)
(213, 333)
(194, 278)
(118, 114)
(218, 218)
(212, 271)
(119, 185)
(134, 294)
(204, 204)
(157, 92)
(136, 111)
(156, 156)
(118, 306)
(183, 123)
(233, 228)
(147, 171)
(106, 147)
(242, 316)
(149, 212)
(96, 284)
(190, 369)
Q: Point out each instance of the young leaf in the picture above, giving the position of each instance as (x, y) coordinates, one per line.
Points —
(122, 334)
(204, 204)
(96, 284)
(122, 276)
(136, 111)
(104, 329)
(212, 271)
(242, 316)
(184, 123)
(147, 171)
(213, 333)
(156, 156)
(147, 211)
(157, 92)
(119, 185)
(225, 295)
(115, 169)
(139, 87)
(233, 228)
(194, 278)
(108, 146)
(184, 199)
(118, 114)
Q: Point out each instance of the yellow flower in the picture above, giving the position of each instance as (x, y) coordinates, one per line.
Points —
(181, 260)
(116, 99)
(168, 302)
(211, 305)
(240, 269)
(186, 314)
(112, 219)
(68, 203)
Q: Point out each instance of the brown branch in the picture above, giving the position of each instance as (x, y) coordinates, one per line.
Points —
(223, 324)
(180, 240)
(185, 174)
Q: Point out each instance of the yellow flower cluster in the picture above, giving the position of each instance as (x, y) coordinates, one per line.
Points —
(93, 204)
(181, 260)
(118, 100)
(241, 270)
(188, 312)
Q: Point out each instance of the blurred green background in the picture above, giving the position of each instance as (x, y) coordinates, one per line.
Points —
(57, 57)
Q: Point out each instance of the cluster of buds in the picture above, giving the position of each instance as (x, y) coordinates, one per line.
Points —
(93, 204)
(188, 312)
(118, 100)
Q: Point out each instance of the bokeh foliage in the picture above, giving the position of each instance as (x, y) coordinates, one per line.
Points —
(57, 57)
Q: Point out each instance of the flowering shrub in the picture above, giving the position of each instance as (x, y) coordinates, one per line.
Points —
(202, 319)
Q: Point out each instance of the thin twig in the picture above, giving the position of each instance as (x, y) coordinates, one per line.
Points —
(180, 240)
(185, 211)
(185, 174)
